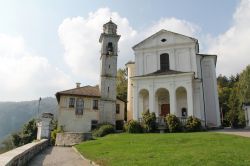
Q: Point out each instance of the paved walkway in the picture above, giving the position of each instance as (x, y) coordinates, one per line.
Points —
(240, 132)
(58, 156)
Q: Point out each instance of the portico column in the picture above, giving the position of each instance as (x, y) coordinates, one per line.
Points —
(172, 96)
(151, 99)
(190, 99)
(135, 104)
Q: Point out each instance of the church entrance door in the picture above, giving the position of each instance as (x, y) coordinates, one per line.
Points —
(165, 109)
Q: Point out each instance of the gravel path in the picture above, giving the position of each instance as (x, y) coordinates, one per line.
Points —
(240, 132)
(58, 156)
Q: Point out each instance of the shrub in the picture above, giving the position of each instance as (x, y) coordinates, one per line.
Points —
(149, 121)
(193, 124)
(173, 123)
(133, 126)
(103, 130)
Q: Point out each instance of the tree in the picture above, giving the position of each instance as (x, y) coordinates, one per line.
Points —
(121, 83)
(244, 85)
(27, 135)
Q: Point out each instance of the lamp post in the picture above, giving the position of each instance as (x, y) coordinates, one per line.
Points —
(38, 109)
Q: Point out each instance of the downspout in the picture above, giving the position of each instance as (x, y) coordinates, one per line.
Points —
(204, 103)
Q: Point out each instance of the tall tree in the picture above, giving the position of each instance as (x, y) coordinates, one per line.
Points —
(244, 85)
(122, 83)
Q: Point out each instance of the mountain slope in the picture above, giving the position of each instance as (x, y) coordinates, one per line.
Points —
(14, 114)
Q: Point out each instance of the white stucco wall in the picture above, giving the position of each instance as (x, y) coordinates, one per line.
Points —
(181, 50)
(131, 73)
(210, 91)
(76, 123)
(247, 115)
(82, 123)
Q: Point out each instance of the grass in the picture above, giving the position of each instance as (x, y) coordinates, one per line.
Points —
(203, 148)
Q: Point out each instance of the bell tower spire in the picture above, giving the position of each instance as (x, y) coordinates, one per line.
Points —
(108, 70)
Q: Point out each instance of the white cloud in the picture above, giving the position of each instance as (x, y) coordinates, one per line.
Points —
(232, 46)
(175, 25)
(79, 37)
(25, 76)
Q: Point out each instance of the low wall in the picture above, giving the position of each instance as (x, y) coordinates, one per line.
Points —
(21, 155)
(71, 138)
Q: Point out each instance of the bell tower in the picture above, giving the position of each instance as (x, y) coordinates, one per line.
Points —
(108, 70)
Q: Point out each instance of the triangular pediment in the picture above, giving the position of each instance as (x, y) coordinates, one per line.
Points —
(164, 37)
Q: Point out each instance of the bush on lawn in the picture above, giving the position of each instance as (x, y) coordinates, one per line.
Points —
(133, 126)
(103, 130)
(149, 121)
(173, 123)
(193, 124)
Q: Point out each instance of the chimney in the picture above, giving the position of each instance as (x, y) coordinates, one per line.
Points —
(78, 85)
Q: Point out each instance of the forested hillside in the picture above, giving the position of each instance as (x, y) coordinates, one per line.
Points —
(14, 114)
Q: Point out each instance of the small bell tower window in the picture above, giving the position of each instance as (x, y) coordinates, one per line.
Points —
(110, 48)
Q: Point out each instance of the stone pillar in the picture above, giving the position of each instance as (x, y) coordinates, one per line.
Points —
(44, 126)
(151, 98)
(172, 96)
(190, 101)
(135, 104)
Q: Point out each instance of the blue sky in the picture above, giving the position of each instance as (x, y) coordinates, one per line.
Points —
(40, 37)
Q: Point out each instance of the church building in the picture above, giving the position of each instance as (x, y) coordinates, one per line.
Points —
(170, 76)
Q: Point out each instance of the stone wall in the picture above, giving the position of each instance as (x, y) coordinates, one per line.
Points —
(71, 138)
(22, 155)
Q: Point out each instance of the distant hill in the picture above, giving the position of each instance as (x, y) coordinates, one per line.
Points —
(14, 114)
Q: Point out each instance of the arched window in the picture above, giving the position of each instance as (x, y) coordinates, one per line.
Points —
(110, 47)
(164, 61)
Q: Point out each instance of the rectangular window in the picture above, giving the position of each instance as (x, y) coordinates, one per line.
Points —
(71, 102)
(95, 104)
(79, 106)
(117, 108)
(94, 124)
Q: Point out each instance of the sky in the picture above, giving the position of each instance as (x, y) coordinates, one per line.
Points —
(47, 46)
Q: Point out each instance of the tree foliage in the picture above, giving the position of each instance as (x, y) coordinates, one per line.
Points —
(173, 123)
(233, 92)
(121, 83)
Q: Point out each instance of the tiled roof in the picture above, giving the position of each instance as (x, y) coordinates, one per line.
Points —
(160, 72)
(87, 91)
(91, 91)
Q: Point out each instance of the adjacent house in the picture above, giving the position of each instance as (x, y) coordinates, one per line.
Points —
(78, 109)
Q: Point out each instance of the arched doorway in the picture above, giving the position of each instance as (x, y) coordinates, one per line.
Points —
(143, 101)
(162, 102)
(181, 100)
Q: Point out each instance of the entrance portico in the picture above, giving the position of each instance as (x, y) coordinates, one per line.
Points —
(165, 94)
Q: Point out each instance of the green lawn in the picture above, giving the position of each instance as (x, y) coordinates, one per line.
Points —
(203, 148)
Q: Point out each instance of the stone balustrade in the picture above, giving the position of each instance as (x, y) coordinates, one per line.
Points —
(21, 155)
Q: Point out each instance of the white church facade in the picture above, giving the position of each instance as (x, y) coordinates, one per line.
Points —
(170, 76)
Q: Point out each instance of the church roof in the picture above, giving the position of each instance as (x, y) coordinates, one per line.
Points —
(160, 72)
(88, 91)
(159, 32)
